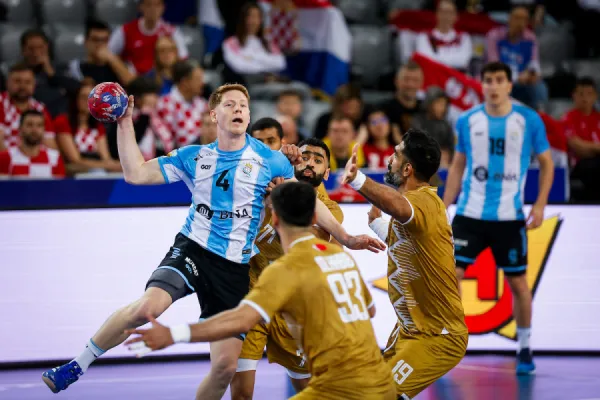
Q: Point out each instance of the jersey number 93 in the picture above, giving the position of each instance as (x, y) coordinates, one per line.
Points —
(347, 290)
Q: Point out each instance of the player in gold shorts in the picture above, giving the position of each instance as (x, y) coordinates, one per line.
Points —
(275, 336)
(430, 337)
(318, 289)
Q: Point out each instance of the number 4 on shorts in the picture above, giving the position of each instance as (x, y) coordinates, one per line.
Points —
(401, 371)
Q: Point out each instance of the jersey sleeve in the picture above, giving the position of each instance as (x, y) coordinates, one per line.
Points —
(179, 164)
(539, 136)
(274, 288)
(460, 135)
(281, 166)
(420, 205)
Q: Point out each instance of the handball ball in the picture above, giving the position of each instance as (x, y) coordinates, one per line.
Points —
(107, 102)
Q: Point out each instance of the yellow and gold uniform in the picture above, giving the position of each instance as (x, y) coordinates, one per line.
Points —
(320, 293)
(281, 347)
(430, 336)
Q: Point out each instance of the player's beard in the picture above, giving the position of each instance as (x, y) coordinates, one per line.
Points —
(314, 180)
(392, 178)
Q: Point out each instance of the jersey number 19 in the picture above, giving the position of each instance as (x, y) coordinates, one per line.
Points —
(347, 290)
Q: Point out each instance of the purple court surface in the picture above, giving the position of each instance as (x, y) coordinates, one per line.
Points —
(475, 378)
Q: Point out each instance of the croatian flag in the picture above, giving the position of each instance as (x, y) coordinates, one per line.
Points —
(324, 48)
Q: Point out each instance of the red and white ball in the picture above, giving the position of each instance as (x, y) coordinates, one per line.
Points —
(108, 102)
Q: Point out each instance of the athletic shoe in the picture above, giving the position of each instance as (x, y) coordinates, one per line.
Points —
(60, 378)
(525, 365)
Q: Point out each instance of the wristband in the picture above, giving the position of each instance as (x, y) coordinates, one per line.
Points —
(181, 333)
(359, 181)
(380, 227)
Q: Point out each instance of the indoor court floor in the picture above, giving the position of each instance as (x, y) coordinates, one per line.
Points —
(475, 378)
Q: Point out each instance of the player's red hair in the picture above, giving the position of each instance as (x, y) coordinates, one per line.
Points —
(215, 98)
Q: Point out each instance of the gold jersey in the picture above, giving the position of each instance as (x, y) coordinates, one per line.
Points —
(268, 243)
(422, 285)
(319, 291)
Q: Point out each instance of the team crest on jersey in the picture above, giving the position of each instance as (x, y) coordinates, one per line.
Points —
(247, 169)
(486, 296)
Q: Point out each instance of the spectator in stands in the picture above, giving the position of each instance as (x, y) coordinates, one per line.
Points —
(516, 46)
(100, 63)
(2, 82)
(444, 44)
(347, 102)
(209, 129)
(433, 121)
(341, 140)
(582, 125)
(401, 109)
(148, 126)
(81, 138)
(52, 83)
(290, 130)
(17, 99)
(136, 40)
(165, 57)
(269, 131)
(248, 57)
(380, 143)
(182, 108)
(31, 158)
(289, 102)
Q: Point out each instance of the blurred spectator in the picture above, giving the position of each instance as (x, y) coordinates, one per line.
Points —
(148, 126)
(81, 138)
(340, 140)
(433, 121)
(587, 20)
(444, 44)
(290, 130)
(31, 158)
(380, 144)
(136, 40)
(2, 82)
(52, 84)
(18, 98)
(582, 125)
(182, 108)
(516, 46)
(165, 57)
(209, 129)
(248, 57)
(347, 102)
(289, 102)
(230, 11)
(100, 63)
(401, 109)
(269, 131)
(283, 26)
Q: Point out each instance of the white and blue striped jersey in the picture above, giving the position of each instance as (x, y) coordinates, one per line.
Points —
(498, 152)
(228, 188)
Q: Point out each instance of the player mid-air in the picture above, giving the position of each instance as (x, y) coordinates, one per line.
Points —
(228, 180)
(430, 336)
(281, 347)
(318, 289)
(496, 141)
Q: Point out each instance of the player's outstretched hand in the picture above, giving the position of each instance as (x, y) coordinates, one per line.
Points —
(351, 168)
(536, 216)
(365, 242)
(292, 152)
(274, 183)
(373, 214)
(129, 112)
(156, 338)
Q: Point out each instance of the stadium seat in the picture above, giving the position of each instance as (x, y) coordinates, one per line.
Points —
(194, 42)
(68, 42)
(115, 12)
(589, 68)
(371, 54)
(404, 4)
(261, 109)
(557, 108)
(212, 78)
(312, 111)
(20, 11)
(63, 11)
(555, 45)
(10, 45)
(376, 97)
(360, 11)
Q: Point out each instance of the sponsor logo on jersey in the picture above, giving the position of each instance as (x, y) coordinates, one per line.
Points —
(486, 296)
(205, 166)
(481, 174)
(205, 211)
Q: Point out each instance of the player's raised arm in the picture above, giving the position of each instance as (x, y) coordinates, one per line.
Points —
(135, 169)
(383, 197)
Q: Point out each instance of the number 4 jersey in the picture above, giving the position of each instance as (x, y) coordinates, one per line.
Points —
(319, 291)
(228, 188)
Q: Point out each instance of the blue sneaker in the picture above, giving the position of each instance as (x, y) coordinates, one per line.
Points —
(525, 365)
(60, 378)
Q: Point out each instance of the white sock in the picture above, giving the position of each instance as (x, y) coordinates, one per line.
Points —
(523, 335)
(89, 355)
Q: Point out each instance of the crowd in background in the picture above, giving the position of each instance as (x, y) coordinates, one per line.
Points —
(47, 131)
